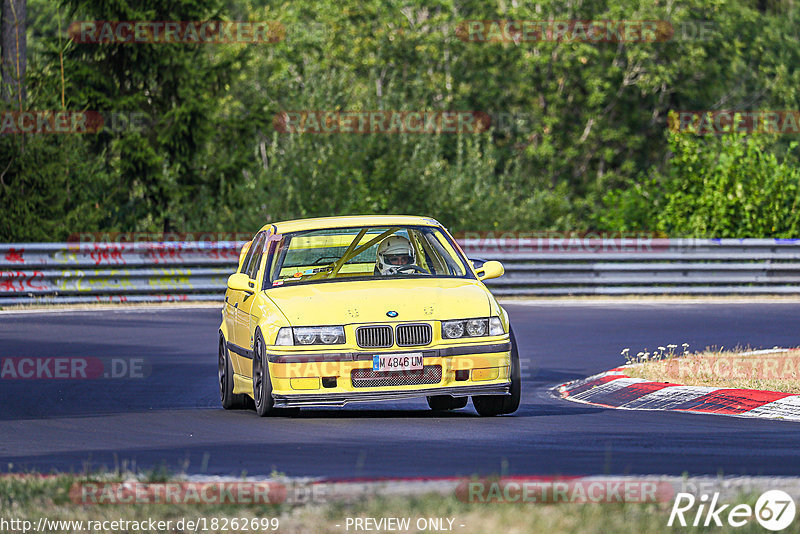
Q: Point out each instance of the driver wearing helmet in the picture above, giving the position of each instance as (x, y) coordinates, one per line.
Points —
(395, 255)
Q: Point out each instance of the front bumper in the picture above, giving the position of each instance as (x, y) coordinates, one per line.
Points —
(329, 379)
(340, 399)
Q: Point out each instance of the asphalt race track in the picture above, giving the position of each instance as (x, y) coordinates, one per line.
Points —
(172, 417)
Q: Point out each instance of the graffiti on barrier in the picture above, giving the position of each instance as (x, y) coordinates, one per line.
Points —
(14, 255)
(16, 281)
(91, 280)
(107, 254)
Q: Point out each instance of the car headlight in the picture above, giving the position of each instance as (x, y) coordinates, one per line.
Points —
(311, 335)
(452, 329)
(477, 327)
(482, 326)
(496, 326)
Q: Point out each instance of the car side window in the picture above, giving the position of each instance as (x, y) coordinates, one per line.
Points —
(280, 248)
(246, 261)
(244, 256)
(251, 251)
(255, 261)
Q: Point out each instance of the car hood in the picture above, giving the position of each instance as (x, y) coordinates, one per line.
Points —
(350, 302)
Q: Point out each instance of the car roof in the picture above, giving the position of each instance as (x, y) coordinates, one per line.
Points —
(319, 223)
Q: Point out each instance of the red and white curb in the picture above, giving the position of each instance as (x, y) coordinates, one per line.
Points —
(614, 389)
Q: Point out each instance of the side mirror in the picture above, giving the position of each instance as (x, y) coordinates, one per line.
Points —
(490, 269)
(240, 282)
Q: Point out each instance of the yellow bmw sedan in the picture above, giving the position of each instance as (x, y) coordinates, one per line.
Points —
(329, 311)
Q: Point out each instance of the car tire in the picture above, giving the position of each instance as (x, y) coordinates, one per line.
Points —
(262, 385)
(263, 401)
(442, 403)
(227, 398)
(490, 405)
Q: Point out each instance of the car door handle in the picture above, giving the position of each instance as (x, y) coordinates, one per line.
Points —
(236, 305)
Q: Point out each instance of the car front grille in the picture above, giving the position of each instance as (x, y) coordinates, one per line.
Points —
(411, 335)
(374, 337)
(367, 378)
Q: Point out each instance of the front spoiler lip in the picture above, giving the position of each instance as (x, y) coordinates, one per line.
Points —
(340, 399)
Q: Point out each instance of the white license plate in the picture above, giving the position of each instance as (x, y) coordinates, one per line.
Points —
(397, 362)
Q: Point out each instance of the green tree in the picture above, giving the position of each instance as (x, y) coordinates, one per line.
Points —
(159, 168)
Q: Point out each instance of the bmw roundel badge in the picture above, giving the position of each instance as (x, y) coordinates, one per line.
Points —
(391, 313)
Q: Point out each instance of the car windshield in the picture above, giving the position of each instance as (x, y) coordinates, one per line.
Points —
(364, 253)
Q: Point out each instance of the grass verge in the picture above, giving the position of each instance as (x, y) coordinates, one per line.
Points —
(29, 498)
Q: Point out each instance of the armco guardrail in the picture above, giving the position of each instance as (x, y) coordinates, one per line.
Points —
(115, 272)
(621, 266)
(174, 271)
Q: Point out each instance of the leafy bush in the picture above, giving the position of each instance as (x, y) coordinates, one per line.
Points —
(728, 185)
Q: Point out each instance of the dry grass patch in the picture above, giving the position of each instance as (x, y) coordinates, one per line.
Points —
(772, 370)
(30, 498)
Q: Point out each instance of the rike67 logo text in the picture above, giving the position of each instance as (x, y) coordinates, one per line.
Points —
(774, 510)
